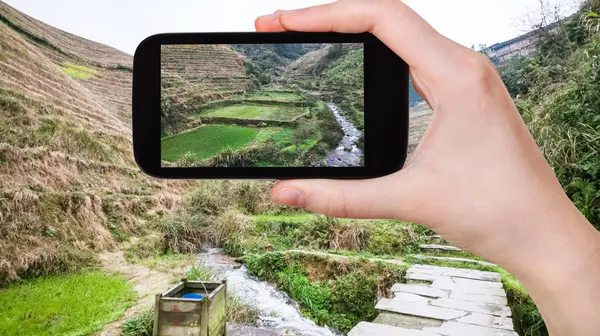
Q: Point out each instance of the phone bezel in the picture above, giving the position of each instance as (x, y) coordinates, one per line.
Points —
(386, 108)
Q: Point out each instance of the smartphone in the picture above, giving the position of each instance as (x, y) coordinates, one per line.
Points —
(269, 106)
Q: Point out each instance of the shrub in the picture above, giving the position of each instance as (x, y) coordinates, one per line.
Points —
(139, 325)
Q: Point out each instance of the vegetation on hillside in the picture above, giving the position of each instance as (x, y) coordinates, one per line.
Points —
(558, 93)
(338, 294)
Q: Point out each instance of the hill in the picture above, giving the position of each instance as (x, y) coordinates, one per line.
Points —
(70, 186)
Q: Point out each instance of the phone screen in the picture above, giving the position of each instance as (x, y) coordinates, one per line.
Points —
(262, 105)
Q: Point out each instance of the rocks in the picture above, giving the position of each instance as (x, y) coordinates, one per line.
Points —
(456, 302)
(474, 307)
(460, 329)
(487, 321)
(422, 309)
(420, 290)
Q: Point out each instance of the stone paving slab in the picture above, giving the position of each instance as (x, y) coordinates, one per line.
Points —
(456, 272)
(447, 283)
(409, 297)
(370, 329)
(422, 309)
(473, 307)
(453, 302)
(485, 320)
(420, 276)
(439, 247)
(451, 259)
(460, 329)
(420, 290)
(470, 282)
(478, 298)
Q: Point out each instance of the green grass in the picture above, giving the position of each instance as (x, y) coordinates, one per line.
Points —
(258, 112)
(274, 96)
(288, 218)
(79, 71)
(78, 304)
(205, 141)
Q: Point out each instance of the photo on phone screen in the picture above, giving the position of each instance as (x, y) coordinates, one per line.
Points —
(262, 105)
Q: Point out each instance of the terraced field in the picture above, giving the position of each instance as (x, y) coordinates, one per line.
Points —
(257, 112)
(206, 141)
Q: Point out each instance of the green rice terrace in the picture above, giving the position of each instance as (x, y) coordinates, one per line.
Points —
(221, 109)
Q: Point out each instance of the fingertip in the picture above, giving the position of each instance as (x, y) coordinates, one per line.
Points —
(269, 23)
(288, 196)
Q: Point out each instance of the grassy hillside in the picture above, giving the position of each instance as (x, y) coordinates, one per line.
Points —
(557, 92)
(69, 184)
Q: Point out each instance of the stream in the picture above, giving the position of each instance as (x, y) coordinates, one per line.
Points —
(278, 312)
(347, 154)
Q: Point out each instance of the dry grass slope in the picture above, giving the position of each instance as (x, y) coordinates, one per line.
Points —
(69, 184)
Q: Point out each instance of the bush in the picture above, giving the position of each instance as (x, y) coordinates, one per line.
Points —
(148, 246)
(139, 325)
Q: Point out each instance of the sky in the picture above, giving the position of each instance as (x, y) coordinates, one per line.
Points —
(123, 24)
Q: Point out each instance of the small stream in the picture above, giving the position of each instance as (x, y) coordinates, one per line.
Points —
(277, 311)
(347, 154)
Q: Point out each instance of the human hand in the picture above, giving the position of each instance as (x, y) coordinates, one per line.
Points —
(477, 178)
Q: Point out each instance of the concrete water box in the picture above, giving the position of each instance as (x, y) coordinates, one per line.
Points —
(191, 308)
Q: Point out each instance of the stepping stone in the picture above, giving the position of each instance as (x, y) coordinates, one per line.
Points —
(421, 309)
(420, 276)
(420, 290)
(460, 329)
(408, 297)
(478, 298)
(451, 259)
(457, 272)
(448, 284)
(439, 247)
(369, 329)
(488, 321)
(406, 321)
(474, 307)
(470, 282)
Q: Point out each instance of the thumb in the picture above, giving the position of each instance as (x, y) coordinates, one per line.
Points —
(390, 197)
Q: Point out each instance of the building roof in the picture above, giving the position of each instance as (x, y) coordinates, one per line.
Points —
(535, 32)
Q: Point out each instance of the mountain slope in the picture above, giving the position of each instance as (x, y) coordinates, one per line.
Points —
(69, 183)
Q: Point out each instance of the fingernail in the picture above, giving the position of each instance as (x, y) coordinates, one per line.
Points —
(289, 197)
(270, 17)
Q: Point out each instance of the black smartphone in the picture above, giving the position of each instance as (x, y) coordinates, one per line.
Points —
(269, 106)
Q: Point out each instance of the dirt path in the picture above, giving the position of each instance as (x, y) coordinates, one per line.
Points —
(147, 283)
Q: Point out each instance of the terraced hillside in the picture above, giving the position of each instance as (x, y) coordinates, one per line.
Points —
(195, 74)
(69, 183)
(222, 106)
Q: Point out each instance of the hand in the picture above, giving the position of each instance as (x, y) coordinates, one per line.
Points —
(477, 178)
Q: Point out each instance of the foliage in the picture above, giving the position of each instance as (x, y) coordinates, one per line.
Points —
(139, 325)
(348, 71)
(559, 98)
(76, 304)
(332, 293)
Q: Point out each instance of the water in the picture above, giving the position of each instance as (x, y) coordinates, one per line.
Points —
(347, 154)
(277, 311)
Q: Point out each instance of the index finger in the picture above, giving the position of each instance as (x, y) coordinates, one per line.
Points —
(392, 21)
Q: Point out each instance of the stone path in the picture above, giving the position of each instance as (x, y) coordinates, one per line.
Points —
(443, 301)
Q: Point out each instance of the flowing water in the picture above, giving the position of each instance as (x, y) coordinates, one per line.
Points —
(277, 311)
(347, 154)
